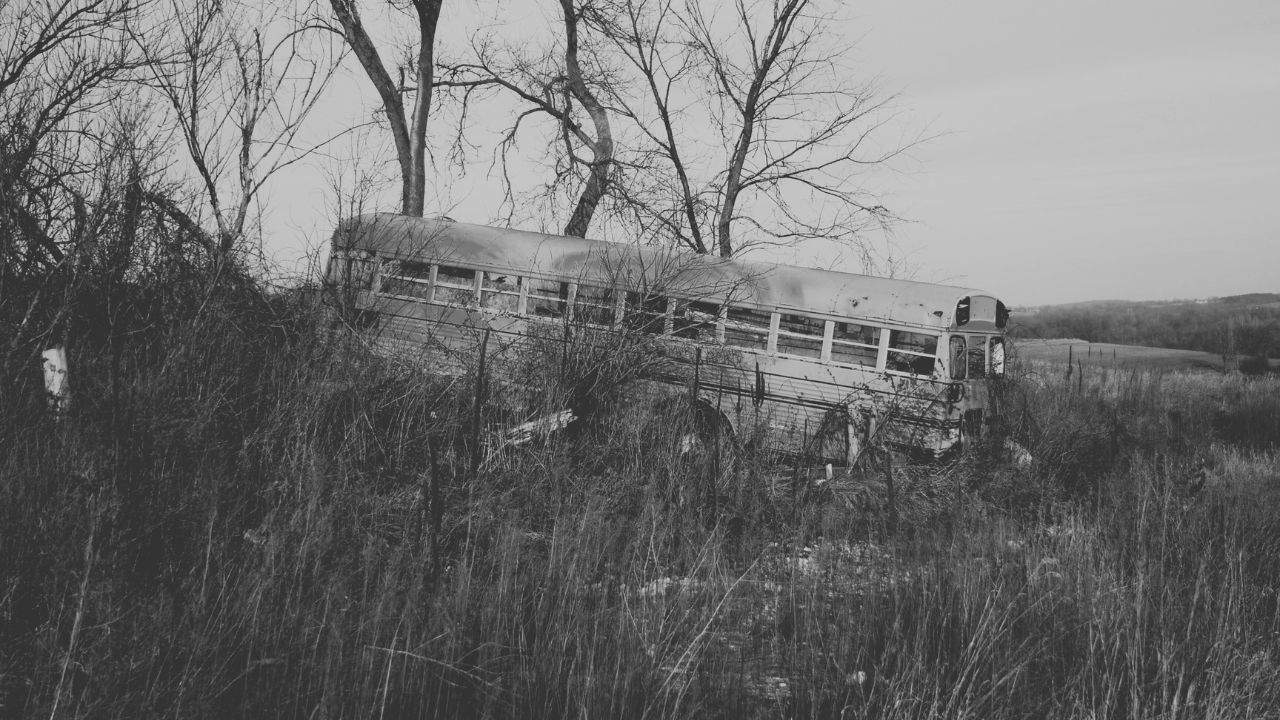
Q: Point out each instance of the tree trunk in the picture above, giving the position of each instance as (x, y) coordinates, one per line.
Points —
(409, 134)
(733, 182)
(602, 149)
(428, 16)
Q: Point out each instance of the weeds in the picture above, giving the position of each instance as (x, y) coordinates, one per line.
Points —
(246, 514)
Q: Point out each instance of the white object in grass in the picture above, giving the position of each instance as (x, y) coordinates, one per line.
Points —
(55, 378)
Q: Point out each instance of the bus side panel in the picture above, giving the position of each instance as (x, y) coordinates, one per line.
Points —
(807, 398)
(802, 399)
(444, 338)
(799, 397)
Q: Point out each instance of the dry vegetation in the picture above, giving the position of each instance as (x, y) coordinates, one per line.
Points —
(246, 514)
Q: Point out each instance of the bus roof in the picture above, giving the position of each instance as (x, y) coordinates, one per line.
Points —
(766, 285)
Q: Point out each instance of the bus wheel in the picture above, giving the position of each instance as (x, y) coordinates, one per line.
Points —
(697, 431)
(836, 441)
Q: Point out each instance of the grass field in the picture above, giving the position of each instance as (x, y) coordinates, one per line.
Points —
(244, 514)
(1112, 355)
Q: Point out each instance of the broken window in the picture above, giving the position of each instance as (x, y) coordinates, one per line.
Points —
(455, 285)
(594, 305)
(646, 313)
(958, 362)
(911, 352)
(997, 356)
(962, 312)
(746, 328)
(977, 356)
(500, 292)
(696, 320)
(855, 344)
(407, 279)
(800, 335)
(547, 298)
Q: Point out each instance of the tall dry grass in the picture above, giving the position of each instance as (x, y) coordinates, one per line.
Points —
(248, 514)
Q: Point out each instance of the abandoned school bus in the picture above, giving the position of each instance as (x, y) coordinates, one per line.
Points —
(808, 361)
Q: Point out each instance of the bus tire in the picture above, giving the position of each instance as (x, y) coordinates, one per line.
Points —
(697, 431)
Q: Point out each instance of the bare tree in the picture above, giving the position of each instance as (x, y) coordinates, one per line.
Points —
(407, 130)
(708, 126)
(601, 145)
(240, 85)
(82, 196)
(555, 85)
(58, 71)
(792, 121)
(640, 32)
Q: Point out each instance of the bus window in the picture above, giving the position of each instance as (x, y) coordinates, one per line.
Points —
(912, 352)
(696, 320)
(746, 328)
(594, 305)
(997, 356)
(800, 335)
(500, 292)
(407, 279)
(645, 314)
(455, 285)
(958, 361)
(977, 356)
(547, 298)
(855, 344)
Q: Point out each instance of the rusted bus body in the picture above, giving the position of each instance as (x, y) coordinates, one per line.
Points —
(808, 361)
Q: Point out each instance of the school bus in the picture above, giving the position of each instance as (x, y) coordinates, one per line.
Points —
(811, 361)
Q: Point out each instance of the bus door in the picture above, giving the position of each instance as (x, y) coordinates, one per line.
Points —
(969, 368)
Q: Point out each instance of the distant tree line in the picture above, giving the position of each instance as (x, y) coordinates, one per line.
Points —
(1249, 325)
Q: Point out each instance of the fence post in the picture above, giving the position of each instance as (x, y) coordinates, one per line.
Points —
(477, 407)
(435, 512)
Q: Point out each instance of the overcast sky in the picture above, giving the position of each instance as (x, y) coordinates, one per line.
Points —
(1082, 150)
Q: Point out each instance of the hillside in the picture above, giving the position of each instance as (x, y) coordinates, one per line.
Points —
(1250, 322)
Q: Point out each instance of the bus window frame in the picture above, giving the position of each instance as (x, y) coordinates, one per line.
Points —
(477, 276)
(958, 363)
(830, 342)
(642, 300)
(681, 308)
(887, 349)
(518, 294)
(531, 297)
(992, 341)
(982, 347)
(821, 336)
(607, 301)
(380, 276)
(741, 327)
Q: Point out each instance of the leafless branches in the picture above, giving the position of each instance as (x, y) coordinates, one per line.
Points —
(556, 85)
(54, 76)
(240, 81)
(795, 126)
(707, 125)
